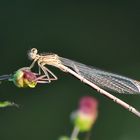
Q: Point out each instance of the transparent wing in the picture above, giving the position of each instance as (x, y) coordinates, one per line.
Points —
(106, 80)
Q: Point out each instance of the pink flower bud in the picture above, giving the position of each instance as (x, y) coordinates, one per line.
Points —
(29, 75)
(88, 105)
(87, 113)
(24, 78)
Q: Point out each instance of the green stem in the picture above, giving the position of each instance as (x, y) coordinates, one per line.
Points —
(75, 133)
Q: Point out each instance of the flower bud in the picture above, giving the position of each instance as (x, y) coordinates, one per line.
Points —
(24, 78)
(86, 115)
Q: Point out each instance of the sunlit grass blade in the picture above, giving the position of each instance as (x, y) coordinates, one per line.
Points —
(7, 104)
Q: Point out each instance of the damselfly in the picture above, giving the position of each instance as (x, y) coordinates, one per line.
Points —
(95, 78)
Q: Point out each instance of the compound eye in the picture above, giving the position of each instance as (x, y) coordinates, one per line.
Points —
(34, 50)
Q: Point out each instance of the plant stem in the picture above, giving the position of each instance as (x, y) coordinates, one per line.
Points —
(75, 133)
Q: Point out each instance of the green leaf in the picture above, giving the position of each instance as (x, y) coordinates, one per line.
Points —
(7, 103)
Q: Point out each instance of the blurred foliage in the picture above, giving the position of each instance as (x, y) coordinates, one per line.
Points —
(7, 103)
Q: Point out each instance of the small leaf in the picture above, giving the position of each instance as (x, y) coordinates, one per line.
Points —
(7, 103)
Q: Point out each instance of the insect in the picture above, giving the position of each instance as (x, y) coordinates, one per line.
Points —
(95, 78)
(22, 78)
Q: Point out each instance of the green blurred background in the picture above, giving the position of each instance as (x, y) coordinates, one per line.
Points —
(102, 34)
